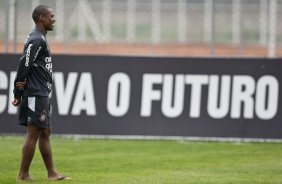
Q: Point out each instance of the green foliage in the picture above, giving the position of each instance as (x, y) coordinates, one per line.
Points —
(149, 162)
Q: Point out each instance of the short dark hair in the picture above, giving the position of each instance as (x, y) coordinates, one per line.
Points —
(39, 10)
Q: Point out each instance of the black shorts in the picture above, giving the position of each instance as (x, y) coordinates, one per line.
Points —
(35, 110)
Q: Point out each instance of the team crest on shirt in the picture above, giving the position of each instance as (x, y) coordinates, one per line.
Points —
(42, 116)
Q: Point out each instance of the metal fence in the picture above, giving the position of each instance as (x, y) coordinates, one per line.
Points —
(233, 23)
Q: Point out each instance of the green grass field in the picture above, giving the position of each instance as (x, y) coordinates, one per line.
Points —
(149, 162)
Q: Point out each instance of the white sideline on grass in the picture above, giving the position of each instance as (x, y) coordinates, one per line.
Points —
(173, 138)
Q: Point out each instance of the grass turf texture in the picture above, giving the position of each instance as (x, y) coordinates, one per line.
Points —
(149, 162)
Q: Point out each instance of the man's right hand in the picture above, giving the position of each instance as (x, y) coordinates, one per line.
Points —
(16, 102)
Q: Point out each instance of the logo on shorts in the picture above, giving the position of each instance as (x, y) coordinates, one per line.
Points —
(42, 116)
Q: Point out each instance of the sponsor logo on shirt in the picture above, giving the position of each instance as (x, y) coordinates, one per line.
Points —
(48, 61)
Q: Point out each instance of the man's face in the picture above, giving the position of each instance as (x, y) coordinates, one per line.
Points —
(49, 20)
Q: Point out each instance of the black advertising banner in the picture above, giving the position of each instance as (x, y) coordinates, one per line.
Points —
(114, 95)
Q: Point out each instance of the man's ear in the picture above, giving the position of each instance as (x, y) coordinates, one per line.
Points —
(41, 17)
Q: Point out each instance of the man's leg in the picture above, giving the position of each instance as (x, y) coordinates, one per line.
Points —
(46, 153)
(28, 151)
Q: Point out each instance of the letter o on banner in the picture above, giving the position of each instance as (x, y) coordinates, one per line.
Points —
(118, 99)
(267, 93)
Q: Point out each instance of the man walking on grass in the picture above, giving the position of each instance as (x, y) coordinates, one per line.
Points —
(33, 85)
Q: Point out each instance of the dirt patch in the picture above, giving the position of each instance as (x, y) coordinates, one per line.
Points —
(175, 50)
